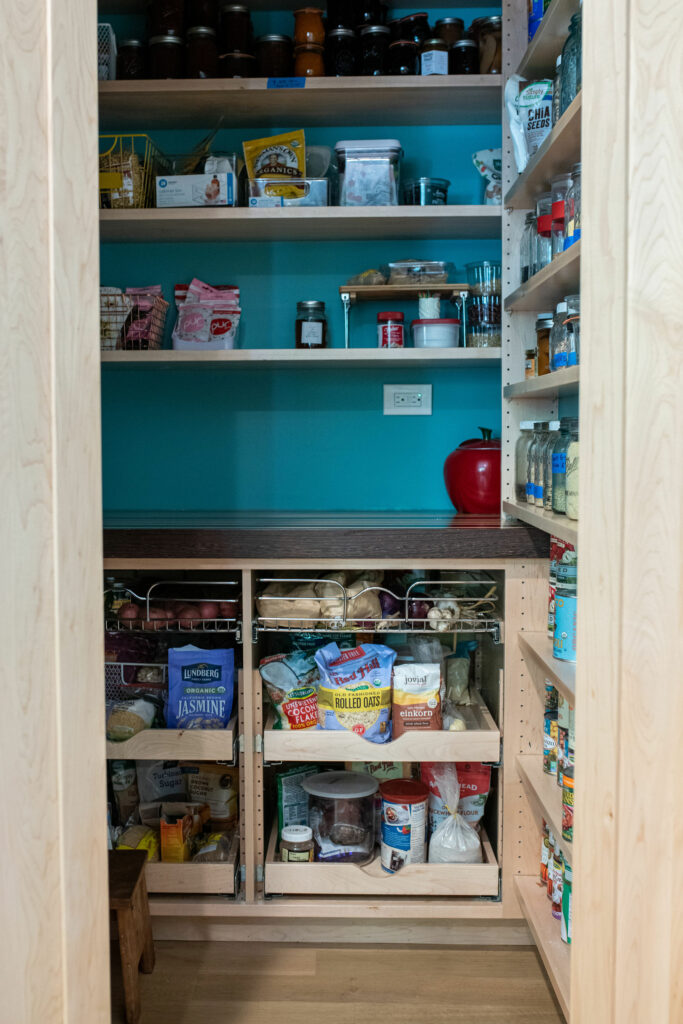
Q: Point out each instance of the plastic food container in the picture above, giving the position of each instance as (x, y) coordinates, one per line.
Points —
(341, 812)
(436, 333)
(483, 277)
(483, 336)
(369, 171)
(417, 272)
(404, 819)
(426, 192)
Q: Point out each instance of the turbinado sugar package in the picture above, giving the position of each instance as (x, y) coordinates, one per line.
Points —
(200, 688)
(417, 697)
(355, 690)
(530, 112)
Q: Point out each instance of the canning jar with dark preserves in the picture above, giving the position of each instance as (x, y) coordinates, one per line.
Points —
(341, 52)
(131, 62)
(166, 57)
(463, 58)
(451, 30)
(236, 65)
(309, 61)
(374, 43)
(416, 27)
(166, 18)
(341, 14)
(201, 12)
(201, 59)
(235, 29)
(394, 27)
(369, 12)
(274, 57)
(404, 58)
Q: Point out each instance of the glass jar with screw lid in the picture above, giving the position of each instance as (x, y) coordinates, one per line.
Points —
(311, 324)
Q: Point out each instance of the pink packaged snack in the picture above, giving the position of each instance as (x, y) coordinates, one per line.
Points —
(208, 318)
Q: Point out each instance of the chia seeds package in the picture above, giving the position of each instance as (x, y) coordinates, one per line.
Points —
(200, 688)
(530, 112)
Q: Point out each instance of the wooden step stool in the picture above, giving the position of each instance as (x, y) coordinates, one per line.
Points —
(128, 897)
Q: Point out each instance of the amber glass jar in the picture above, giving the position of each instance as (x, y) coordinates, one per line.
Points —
(201, 59)
(235, 29)
(543, 327)
(404, 57)
(166, 18)
(236, 65)
(308, 27)
(341, 52)
(491, 46)
(166, 57)
(451, 30)
(463, 58)
(309, 61)
(296, 844)
(416, 27)
(201, 12)
(131, 62)
(274, 57)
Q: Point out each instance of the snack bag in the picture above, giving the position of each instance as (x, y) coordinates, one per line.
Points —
(355, 690)
(200, 688)
(489, 163)
(279, 156)
(530, 112)
(453, 841)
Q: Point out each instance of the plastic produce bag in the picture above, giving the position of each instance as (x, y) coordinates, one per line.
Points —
(454, 841)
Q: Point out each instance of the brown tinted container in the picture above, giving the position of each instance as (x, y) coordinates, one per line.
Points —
(309, 61)
(234, 34)
(201, 59)
(131, 62)
(274, 57)
(463, 58)
(201, 12)
(166, 18)
(308, 27)
(543, 326)
(491, 46)
(451, 30)
(166, 57)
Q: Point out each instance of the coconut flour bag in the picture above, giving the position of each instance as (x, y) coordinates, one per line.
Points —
(530, 112)
(355, 690)
(200, 688)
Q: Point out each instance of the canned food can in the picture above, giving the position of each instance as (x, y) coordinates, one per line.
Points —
(404, 821)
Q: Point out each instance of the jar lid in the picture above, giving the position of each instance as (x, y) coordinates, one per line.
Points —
(273, 38)
(311, 306)
(403, 42)
(495, 21)
(341, 32)
(201, 30)
(576, 169)
(234, 9)
(176, 40)
(309, 48)
(435, 321)
(563, 178)
(409, 17)
(463, 44)
(437, 41)
(237, 53)
(367, 145)
(390, 316)
(561, 307)
(441, 182)
(296, 834)
(369, 30)
(403, 791)
(130, 42)
(308, 10)
(450, 21)
(544, 322)
(341, 785)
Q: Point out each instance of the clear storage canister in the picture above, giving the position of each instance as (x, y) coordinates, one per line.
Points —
(573, 328)
(557, 88)
(559, 344)
(572, 476)
(537, 468)
(543, 327)
(559, 187)
(522, 458)
(559, 465)
(527, 247)
(572, 209)
(547, 457)
(539, 428)
(341, 813)
(571, 64)
(544, 232)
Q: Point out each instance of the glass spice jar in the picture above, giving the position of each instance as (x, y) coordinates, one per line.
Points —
(463, 58)
(390, 328)
(201, 12)
(451, 30)
(416, 27)
(236, 65)
(491, 46)
(274, 56)
(296, 844)
(309, 61)
(235, 29)
(341, 52)
(434, 57)
(166, 57)
(131, 62)
(311, 324)
(308, 27)
(529, 363)
(374, 41)
(201, 58)
(166, 18)
(404, 58)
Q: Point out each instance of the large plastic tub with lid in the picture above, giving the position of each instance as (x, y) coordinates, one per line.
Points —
(369, 171)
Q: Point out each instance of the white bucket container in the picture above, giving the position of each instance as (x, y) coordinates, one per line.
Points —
(436, 333)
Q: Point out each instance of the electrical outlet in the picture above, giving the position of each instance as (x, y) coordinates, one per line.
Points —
(407, 399)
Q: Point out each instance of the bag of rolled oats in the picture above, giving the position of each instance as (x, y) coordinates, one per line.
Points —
(355, 690)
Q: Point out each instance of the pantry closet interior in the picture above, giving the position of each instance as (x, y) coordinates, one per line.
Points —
(226, 473)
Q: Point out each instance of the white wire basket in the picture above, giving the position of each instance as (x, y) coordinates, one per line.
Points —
(106, 53)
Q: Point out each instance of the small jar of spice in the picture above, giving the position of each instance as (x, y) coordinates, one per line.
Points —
(311, 324)
(390, 330)
(296, 844)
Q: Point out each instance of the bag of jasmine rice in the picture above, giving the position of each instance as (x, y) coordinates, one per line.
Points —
(200, 688)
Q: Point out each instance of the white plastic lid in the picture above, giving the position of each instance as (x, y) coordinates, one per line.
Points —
(561, 307)
(366, 144)
(526, 425)
(341, 785)
(296, 834)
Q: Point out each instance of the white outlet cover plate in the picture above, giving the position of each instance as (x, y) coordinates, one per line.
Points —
(407, 399)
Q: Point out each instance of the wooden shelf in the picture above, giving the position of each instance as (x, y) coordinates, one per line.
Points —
(481, 742)
(337, 358)
(560, 151)
(243, 102)
(560, 382)
(108, 7)
(400, 292)
(545, 47)
(549, 522)
(562, 674)
(343, 879)
(545, 796)
(174, 744)
(216, 879)
(300, 224)
(549, 286)
(545, 929)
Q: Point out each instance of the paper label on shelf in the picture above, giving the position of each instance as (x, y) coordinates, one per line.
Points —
(286, 83)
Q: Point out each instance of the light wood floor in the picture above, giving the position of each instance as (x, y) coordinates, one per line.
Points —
(252, 983)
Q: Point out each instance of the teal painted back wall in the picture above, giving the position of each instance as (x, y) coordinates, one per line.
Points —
(290, 439)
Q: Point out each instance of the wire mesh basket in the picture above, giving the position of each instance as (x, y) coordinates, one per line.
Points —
(128, 168)
(131, 322)
(106, 53)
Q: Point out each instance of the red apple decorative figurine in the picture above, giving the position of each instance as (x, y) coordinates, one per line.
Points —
(472, 475)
